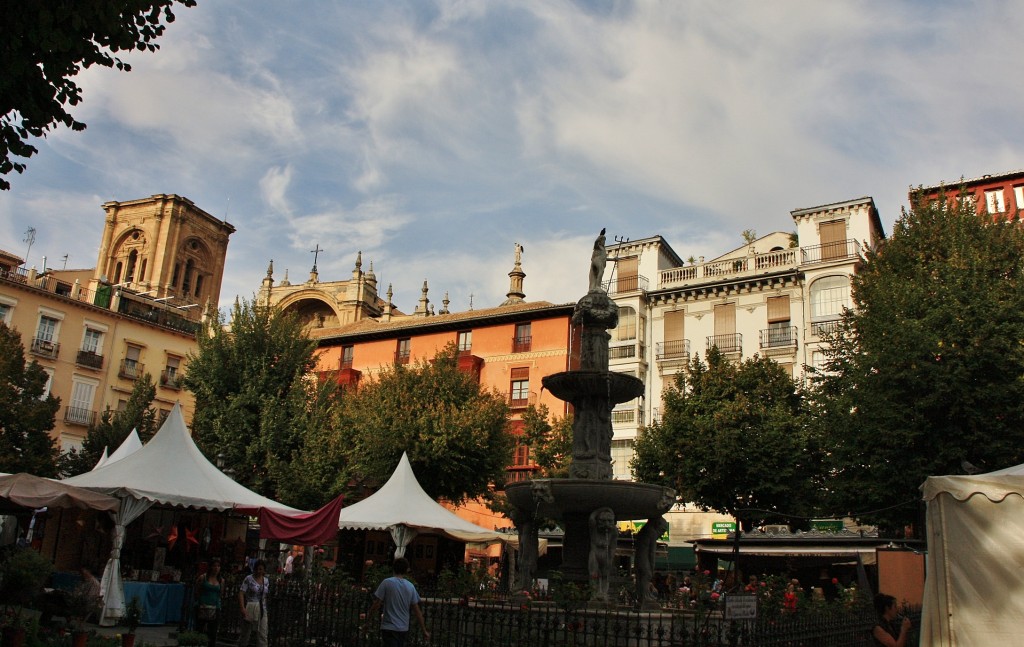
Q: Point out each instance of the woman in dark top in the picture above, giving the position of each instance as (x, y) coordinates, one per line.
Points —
(885, 633)
(208, 589)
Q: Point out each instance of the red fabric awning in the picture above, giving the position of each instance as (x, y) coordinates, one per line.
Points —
(307, 529)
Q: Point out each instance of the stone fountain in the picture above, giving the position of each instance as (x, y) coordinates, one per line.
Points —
(588, 503)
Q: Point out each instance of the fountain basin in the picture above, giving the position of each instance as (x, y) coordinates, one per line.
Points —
(573, 386)
(553, 498)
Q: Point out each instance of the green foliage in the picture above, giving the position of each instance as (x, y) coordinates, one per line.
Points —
(733, 438)
(454, 432)
(114, 427)
(132, 615)
(550, 441)
(253, 400)
(23, 572)
(26, 417)
(569, 596)
(926, 374)
(43, 45)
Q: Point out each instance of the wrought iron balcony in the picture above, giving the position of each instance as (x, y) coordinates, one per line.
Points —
(626, 284)
(840, 250)
(521, 400)
(79, 416)
(625, 351)
(131, 369)
(402, 357)
(676, 349)
(779, 337)
(89, 359)
(820, 328)
(522, 344)
(170, 379)
(45, 348)
(730, 343)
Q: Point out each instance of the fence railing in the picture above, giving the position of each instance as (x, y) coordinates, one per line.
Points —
(311, 613)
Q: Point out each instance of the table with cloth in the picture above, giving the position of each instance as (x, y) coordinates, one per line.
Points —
(160, 602)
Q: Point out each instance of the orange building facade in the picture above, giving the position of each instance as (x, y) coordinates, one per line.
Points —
(998, 197)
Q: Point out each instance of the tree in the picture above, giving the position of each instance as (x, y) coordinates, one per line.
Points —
(26, 415)
(247, 379)
(114, 427)
(43, 45)
(550, 441)
(926, 374)
(454, 432)
(733, 439)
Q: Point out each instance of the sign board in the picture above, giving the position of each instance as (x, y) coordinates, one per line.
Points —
(720, 529)
(827, 525)
(634, 527)
(740, 607)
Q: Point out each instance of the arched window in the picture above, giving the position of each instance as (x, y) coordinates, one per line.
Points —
(129, 273)
(829, 296)
(117, 272)
(186, 283)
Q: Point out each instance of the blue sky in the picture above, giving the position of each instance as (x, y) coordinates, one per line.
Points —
(432, 136)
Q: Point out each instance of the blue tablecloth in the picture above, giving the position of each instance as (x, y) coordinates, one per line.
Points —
(161, 603)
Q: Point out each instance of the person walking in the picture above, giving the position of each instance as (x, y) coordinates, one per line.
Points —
(253, 597)
(399, 599)
(207, 592)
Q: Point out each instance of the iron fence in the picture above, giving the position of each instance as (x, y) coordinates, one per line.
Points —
(316, 614)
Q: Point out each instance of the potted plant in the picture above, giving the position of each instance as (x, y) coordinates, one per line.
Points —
(22, 576)
(192, 639)
(131, 619)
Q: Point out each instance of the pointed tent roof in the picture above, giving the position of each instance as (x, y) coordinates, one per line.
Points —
(402, 502)
(103, 459)
(171, 470)
(130, 445)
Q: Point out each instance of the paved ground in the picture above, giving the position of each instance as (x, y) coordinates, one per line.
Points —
(160, 636)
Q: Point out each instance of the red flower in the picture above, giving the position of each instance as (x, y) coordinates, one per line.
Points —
(835, 580)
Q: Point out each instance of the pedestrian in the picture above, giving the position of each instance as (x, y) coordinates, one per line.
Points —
(399, 599)
(253, 598)
(207, 593)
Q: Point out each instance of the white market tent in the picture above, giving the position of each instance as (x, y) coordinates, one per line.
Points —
(402, 508)
(974, 594)
(130, 445)
(169, 470)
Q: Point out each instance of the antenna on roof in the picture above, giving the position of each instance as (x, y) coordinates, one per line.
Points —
(65, 261)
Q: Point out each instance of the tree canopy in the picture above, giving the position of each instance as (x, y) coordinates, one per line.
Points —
(26, 417)
(550, 441)
(454, 431)
(250, 384)
(926, 374)
(43, 45)
(113, 429)
(733, 439)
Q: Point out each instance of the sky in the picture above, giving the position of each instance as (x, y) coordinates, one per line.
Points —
(433, 136)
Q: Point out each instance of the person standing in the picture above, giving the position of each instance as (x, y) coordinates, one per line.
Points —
(208, 588)
(399, 599)
(885, 632)
(253, 597)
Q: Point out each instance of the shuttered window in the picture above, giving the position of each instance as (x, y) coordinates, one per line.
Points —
(725, 319)
(674, 329)
(778, 309)
(628, 269)
(833, 239)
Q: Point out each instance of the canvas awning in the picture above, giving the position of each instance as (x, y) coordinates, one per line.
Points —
(867, 553)
(30, 491)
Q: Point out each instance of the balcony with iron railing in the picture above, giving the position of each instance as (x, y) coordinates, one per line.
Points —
(79, 416)
(626, 350)
(131, 369)
(521, 400)
(678, 349)
(170, 379)
(89, 359)
(522, 344)
(819, 328)
(780, 337)
(729, 343)
(621, 284)
(841, 250)
(402, 357)
(633, 416)
(45, 348)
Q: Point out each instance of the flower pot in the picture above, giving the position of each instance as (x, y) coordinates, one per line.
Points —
(14, 636)
(127, 640)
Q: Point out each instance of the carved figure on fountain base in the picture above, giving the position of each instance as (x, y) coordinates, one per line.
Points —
(603, 538)
(645, 544)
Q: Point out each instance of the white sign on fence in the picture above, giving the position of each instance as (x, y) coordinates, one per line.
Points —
(740, 607)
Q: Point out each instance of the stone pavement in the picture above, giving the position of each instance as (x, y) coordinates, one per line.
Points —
(160, 636)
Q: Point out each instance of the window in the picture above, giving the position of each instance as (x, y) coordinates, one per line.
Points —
(5, 312)
(171, 377)
(1018, 196)
(80, 410)
(347, 354)
(131, 368)
(626, 330)
(465, 341)
(47, 330)
(49, 383)
(829, 296)
(779, 332)
(521, 458)
(622, 454)
(628, 270)
(523, 339)
(994, 201)
(519, 387)
(402, 351)
(129, 273)
(92, 341)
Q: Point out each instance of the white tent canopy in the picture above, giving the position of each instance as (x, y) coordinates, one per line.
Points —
(404, 509)
(130, 445)
(974, 595)
(169, 470)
